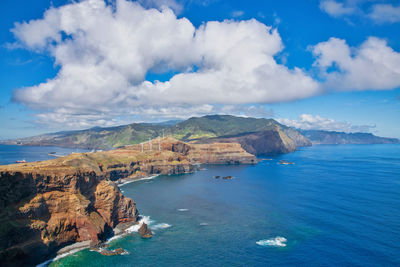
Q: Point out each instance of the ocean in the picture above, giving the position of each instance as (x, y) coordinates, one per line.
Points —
(9, 154)
(336, 206)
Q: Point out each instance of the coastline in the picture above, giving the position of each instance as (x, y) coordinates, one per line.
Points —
(103, 173)
(119, 231)
(125, 181)
(66, 251)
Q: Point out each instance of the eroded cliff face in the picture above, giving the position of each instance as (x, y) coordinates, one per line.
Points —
(41, 212)
(50, 204)
(260, 143)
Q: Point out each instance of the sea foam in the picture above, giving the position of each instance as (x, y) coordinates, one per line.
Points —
(275, 242)
(136, 180)
(183, 209)
(160, 226)
(136, 227)
(46, 263)
(149, 222)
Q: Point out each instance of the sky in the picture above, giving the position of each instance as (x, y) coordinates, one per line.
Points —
(311, 64)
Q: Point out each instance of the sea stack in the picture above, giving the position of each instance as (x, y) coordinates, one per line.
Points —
(144, 231)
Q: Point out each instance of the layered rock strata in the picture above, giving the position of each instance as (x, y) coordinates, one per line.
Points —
(259, 143)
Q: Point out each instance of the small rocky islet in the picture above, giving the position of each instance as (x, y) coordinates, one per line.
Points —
(228, 177)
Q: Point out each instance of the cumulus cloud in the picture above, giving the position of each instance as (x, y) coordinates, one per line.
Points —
(104, 53)
(310, 122)
(372, 65)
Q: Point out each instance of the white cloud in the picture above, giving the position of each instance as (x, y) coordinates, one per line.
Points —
(105, 52)
(310, 122)
(372, 65)
(335, 8)
(382, 13)
(379, 11)
(66, 118)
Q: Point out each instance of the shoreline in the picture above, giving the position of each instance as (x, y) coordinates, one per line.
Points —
(126, 181)
(66, 251)
(119, 231)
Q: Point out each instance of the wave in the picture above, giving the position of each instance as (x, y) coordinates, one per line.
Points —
(73, 251)
(203, 224)
(160, 226)
(115, 237)
(183, 209)
(136, 180)
(149, 222)
(131, 229)
(275, 242)
(136, 227)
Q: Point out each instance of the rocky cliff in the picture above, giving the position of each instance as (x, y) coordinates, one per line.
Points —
(42, 210)
(273, 141)
(50, 204)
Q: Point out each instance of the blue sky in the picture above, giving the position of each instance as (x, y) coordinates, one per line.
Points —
(46, 71)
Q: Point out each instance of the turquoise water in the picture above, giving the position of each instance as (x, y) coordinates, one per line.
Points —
(336, 206)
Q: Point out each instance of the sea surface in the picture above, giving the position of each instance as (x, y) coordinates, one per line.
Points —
(9, 154)
(336, 206)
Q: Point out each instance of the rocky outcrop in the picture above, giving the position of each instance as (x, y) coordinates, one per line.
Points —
(220, 153)
(296, 136)
(47, 205)
(43, 211)
(260, 143)
(144, 231)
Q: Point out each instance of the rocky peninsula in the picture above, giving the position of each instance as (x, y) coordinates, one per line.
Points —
(47, 205)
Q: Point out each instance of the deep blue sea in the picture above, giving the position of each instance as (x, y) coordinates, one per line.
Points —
(336, 206)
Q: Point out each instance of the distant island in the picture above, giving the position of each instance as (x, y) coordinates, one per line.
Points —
(319, 137)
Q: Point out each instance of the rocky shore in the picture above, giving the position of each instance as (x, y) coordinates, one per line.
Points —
(47, 205)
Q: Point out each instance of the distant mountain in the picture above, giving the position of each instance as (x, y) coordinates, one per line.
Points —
(269, 135)
(328, 137)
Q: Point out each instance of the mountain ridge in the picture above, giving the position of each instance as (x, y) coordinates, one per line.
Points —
(322, 137)
(194, 129)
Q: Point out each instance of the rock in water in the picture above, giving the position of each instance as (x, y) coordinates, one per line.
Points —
(114, 252)
(144, 231)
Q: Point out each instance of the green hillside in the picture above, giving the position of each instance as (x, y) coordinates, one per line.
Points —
(195, 128)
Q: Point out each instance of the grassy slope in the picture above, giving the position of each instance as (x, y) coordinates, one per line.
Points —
(191, 129)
